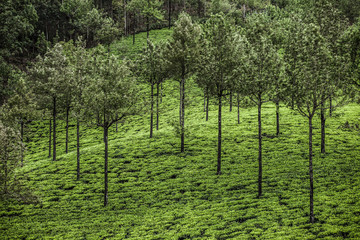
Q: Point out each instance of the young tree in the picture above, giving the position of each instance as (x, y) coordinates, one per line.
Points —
(215, 65)
(152, 69)
(111, 94)
(260, 70)
(309, 60)
(11, 150)
(49, 75)
(20, 108)
(180, 52)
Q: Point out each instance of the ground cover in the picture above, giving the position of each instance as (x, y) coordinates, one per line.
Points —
(155, 192)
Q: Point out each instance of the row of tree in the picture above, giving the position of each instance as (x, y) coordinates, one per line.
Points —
(302, 58)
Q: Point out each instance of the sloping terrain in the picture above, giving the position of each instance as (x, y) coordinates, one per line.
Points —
(155, 192)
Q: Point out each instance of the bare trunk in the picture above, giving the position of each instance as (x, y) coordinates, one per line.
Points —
(169, 10)
(116, 124)
(78, 149)
(67, 129)
(50, 137)
(134, 22)
(22, 141)
(183, 114)
(260, 150)
(277, 118)
(54, 128)
(152, 109)
(207, 107)
(157, 106)
(204, 100)
(323, 119)
(231, 95)
(238, 108)
(219, 136)
(331, 106)
(312, 219)
(125, 18)
(106, 165)
(161, 93)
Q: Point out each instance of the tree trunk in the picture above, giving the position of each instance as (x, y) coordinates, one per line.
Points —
(50, 137)
(231, 95)
(125, 20)
(183, 114)
(67, 129)
(152, 109)
(207, 107)
(238, 108)
(312, 219)
(219, 136)
(323, 119)
(116, 124)
(161, 93)
(169, 10)
(331, 107)
(22, 141)
(106, 165)
(54, 128)
(134, 22)
(78, 149)
(260, 150)
(147, 23)
(157, 106)
(204, 100)
(277, 118)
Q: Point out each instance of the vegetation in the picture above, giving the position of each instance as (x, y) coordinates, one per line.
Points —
(300, 56)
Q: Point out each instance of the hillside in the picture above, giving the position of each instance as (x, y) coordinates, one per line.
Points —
(156, 192)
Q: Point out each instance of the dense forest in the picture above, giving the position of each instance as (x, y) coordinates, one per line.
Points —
(192, 119)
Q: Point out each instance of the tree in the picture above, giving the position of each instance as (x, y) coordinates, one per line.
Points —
(20, 108)
(152, 69)
(216, 65)
(180, 52)
(11, 150)
(308, 61)
(111, 94)
(49, 76)
(260, 69)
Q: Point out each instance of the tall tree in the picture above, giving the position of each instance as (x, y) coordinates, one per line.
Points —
(260, 70)
(308, 57)
(49, 75)
(216, 65)
(181, 53)
(152, 68)
(111, 94)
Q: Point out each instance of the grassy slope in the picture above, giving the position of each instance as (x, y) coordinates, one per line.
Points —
(157, 193)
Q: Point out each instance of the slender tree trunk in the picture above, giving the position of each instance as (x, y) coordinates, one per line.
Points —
(331, 106)
(134, 22)
(161, 93)
(152, 109)
(183, 114)
(78, 149)
(54, 128)
(277, 118)
(207, 107)
(180, 107)
(125, 18)
(67, 129)
(22, 141)
(50, 137)
(218, 172)
(323, 119)
(169, 11)
(106, 165)
(260, 150)
(157, 106)
(231, 103)
(312, 219)
(238, 108)
(116, 124)
(204, 100)
(147, 23)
